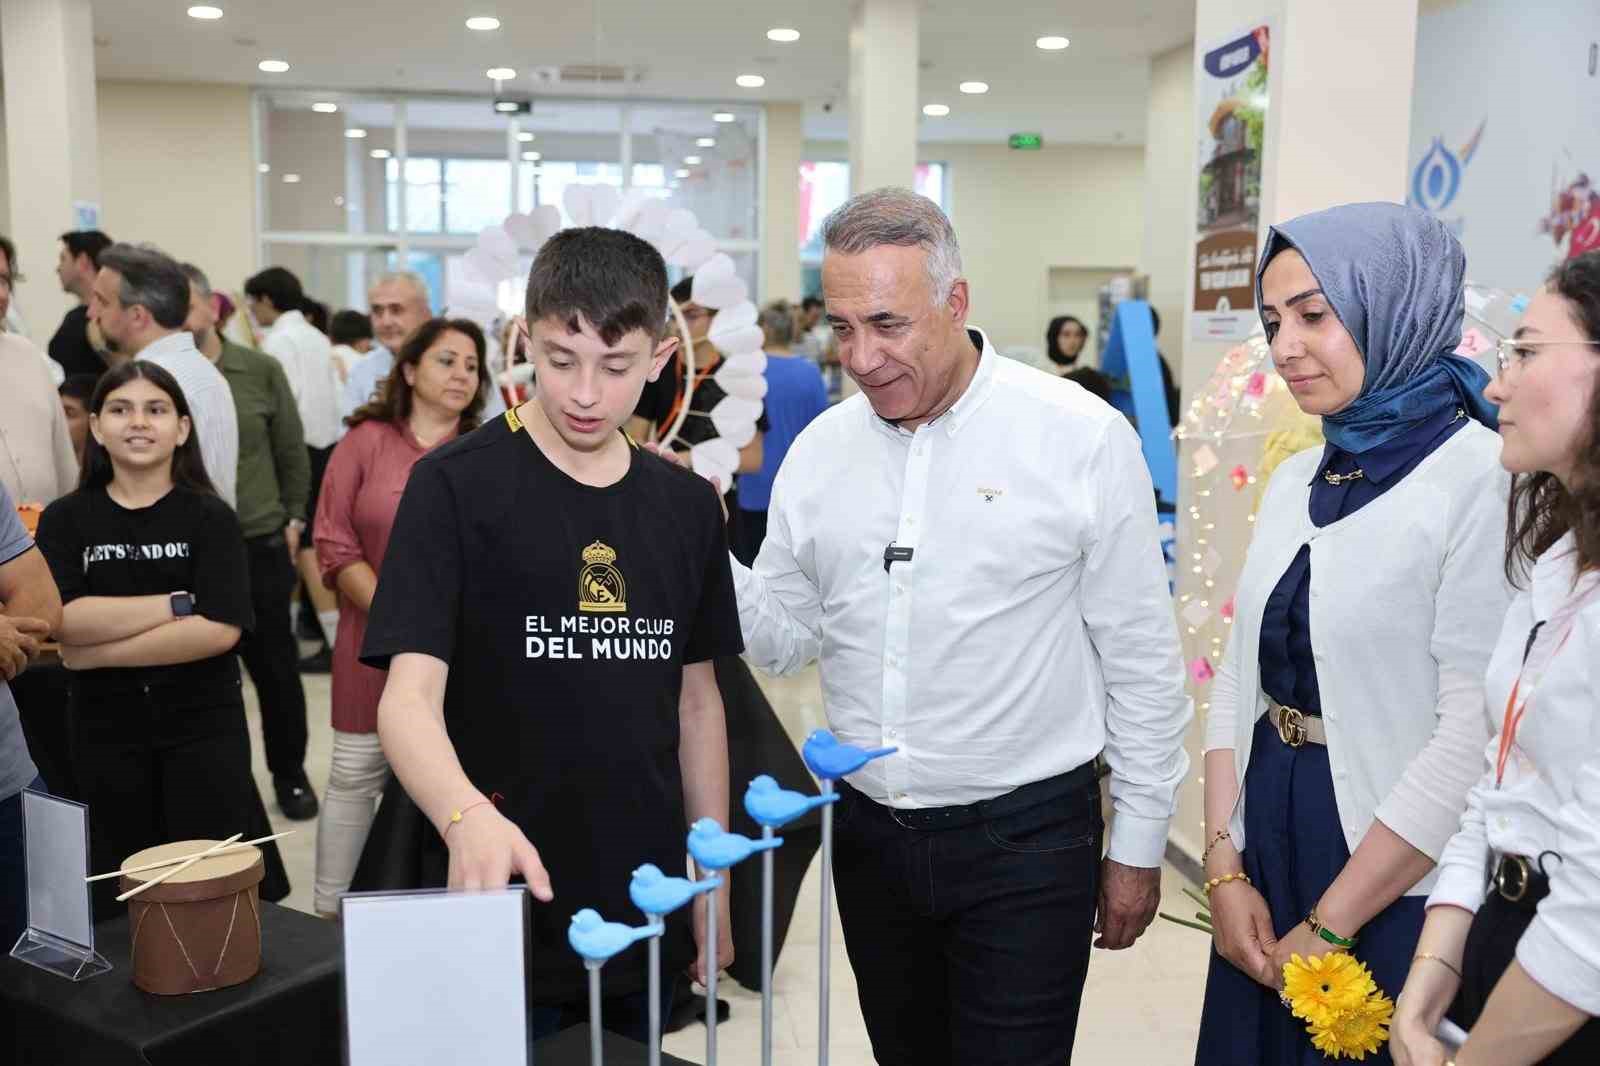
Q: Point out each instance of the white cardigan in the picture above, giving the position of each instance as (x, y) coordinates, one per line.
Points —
(1407, 597)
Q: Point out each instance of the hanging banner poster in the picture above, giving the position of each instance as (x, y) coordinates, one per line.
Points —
(1230, 124)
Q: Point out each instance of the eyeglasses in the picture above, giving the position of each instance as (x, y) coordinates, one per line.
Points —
(1510, 353)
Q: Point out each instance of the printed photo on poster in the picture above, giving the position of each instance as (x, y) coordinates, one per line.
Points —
(1230, 119)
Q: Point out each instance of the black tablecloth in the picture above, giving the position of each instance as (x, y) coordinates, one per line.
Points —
(288, 1015)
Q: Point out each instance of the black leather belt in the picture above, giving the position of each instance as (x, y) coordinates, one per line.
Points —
(933, 819)
(1518, 879)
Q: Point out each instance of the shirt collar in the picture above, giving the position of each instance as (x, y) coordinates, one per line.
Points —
(172, 344)
(1380, 463)
(976, 392)
(288, 320)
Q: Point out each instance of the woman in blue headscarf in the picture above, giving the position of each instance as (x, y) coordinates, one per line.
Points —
(1346, 721)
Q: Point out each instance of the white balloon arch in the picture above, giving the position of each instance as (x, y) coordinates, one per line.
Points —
(677, 235)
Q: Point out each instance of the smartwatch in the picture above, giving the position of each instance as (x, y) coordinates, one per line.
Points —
(182, 604)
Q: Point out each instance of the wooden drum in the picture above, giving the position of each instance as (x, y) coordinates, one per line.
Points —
(198, 930)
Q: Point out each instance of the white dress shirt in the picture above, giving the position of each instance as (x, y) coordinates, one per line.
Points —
(37, 463)
(216, 421)
(1407, 595)
(1032, 627)
(1550, 797)
(307, 358)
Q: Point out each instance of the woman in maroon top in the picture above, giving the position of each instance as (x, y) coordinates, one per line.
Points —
(435, 392)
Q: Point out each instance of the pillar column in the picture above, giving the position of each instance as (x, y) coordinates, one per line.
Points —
(780, 215)
(884, 80)
(52, 139)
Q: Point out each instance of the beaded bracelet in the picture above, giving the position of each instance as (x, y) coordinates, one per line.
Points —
(1222, 834)
(1223, 880)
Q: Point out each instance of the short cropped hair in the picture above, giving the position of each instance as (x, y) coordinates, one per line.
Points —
(609, 278)
(89, 242)
(349, 327)
(898, 217)
(152, 279)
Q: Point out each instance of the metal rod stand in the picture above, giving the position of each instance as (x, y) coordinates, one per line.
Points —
(766, 950)
(827, 920)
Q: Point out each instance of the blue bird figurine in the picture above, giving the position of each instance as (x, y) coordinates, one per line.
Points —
(829, 758)
(655, 893)
(772, 806)
(598, 940)
(717, 849)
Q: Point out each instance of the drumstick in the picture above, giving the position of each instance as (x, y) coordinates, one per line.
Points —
(178, 869)
(229, 850)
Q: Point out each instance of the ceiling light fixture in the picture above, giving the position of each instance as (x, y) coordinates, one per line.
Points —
(273, 66)
(483, 23)
(325, 107)
(531, 157)
(291, 179)
(936, 110)
(783, 35)
(680, 173)
(974, 88)
(500, 73)
(263, 168)
(380, 153)
(525, 137)
(506, 107)
(723, 116)
(750, 81)
(706, 142)
(692, 160)
(355, 133)
(1052, 44)
(205, 12)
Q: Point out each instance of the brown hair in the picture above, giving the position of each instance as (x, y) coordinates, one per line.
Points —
(393, 405)
(1542, 510)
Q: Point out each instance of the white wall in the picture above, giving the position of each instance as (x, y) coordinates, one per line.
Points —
(1168, 177)
(1018, 214)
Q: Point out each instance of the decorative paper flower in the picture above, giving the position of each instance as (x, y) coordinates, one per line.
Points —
(1320, 989)
(1201, 670)
(1240, 477)
(1256, 387)
(1356, 1033)
(1227, 610)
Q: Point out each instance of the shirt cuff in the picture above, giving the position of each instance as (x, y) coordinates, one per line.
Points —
(1458, 886)
(1558, 969)
(1137, 840)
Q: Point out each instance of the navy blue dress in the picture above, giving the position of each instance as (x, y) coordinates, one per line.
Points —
(1294, 845)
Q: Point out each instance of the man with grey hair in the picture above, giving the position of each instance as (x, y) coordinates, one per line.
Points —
(140, 300)
(399, 306)
(970, 547)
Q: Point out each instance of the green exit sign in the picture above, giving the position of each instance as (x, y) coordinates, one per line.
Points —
(1027, 142)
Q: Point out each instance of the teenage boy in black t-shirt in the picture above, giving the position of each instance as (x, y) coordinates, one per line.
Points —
(551, 601)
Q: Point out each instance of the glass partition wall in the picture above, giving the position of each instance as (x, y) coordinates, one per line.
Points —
(351, 186)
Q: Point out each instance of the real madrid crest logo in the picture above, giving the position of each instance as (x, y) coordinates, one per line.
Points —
(600, 586)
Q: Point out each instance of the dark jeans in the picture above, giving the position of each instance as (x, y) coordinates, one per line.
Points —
(627, 1016)
(1491, 948)
(272, 656)
(42, 701)
(13, 869)
(970, 945)
(749, 529)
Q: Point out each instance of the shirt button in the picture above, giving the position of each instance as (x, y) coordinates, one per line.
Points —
(901, 589)
(911, 520)
(1503, 823)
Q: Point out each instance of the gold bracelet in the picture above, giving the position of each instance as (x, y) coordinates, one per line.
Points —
(1442, 961)
(1223, 880)
(1222, 834)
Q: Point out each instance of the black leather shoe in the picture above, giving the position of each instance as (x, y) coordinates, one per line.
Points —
(320, 663)
(296, 799)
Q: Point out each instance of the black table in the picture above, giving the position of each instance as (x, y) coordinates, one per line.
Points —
(289, 1014)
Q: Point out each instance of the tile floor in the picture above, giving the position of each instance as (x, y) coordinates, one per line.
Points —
(1141, 1006)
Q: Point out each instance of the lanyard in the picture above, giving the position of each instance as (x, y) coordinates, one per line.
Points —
(1535, 661)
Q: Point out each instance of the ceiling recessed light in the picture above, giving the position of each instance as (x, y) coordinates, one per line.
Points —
(272, 66)
(723, 116)
(974, 88)
(206, 12)
(483, 23)
(750, 81)
(291, 179)
(936, 110)
(506, 107)
(706, 142)
(692, 160)
(380, 153)
(531, 157)
(525, 136)
(500, 73)
(680, 173)
(1052, 44)
(783, 35)
(355, 133)
(325, 107)
(264, 168)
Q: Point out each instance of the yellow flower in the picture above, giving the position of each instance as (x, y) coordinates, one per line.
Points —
(1319, 988)
(1357, 1032)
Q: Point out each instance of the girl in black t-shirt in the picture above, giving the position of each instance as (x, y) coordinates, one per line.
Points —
(153, 578)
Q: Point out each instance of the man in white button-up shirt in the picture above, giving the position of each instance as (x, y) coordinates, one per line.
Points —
(140, 301)
(970, 547)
